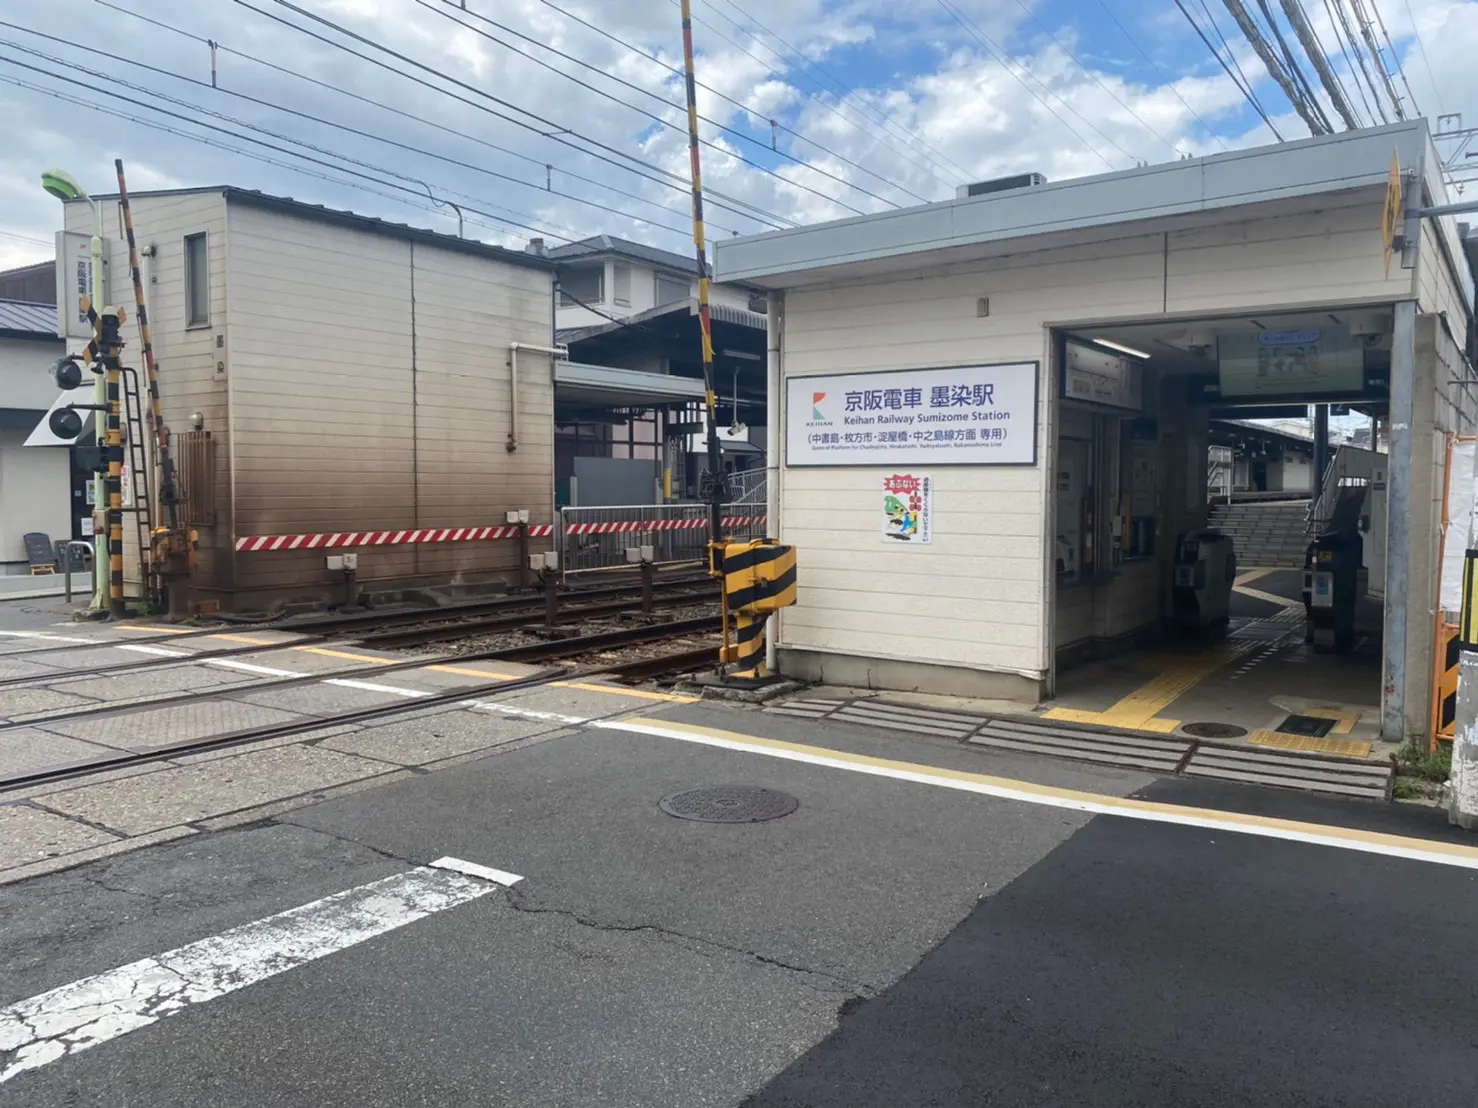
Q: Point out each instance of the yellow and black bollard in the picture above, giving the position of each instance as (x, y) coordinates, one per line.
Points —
(759, 578)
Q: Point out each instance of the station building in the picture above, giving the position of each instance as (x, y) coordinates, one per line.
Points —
(990, 417)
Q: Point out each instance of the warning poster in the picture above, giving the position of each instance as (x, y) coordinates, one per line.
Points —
(908, 504)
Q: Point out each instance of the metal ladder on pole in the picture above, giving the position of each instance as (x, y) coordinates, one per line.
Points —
(137, 499)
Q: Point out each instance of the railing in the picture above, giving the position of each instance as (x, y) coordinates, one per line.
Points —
(1351, 468)
(597, 538)
(748, 487)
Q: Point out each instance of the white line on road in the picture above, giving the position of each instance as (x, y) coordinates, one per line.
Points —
(93, 1010)
(1028, 792)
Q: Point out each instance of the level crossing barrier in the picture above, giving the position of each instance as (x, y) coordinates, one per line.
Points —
(593, 539)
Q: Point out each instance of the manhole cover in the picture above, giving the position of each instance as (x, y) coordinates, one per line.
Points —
(729, 804)
(1306, 725)
(1214, 730)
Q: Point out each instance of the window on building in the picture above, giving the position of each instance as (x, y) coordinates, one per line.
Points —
(197, 281)
(621, 285)
(671, 288)
(585, 285)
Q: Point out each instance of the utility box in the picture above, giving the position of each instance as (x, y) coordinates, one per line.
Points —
(1333, 576)
(1205, 567)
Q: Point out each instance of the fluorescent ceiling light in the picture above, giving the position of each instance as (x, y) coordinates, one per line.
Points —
(1121, 348)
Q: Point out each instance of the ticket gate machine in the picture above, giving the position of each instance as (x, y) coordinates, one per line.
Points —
(1205, 567)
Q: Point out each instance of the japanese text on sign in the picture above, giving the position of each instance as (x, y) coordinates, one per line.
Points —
(972, 415)
(908, 508)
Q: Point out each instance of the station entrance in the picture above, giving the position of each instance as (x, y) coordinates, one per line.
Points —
(1219, 506)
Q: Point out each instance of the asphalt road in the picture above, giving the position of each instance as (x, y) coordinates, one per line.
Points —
(889, 943)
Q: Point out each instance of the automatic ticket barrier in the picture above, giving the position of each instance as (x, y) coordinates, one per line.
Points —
(1205, 567)
(1332, 586)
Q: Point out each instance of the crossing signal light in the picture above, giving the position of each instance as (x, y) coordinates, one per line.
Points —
(65, 423)
(67, 374)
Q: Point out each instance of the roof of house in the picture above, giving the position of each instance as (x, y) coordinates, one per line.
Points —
(353, 220)
(602, 245)
(21, 319)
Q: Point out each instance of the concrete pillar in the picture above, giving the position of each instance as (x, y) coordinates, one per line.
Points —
(1412, 518)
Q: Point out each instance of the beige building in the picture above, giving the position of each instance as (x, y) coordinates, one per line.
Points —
(1103, 315)
(327, 373)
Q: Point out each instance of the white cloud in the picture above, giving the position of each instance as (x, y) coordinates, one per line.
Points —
(905, 102)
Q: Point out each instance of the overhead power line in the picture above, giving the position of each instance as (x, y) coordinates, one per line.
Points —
(1395, 57)
(385, 139)
(441, 7)
(555, 132)
(1236, 77)
(1342, 18)
(994, 50)
(661, 121)
(1294, 70)
(1096, 79)
(1421, 48)
(1315, 51)
(1271, 64)
(1169, 83)
(1227, 48)
(1367, 32)
(930, 163)
(675, 71)
(540, 163)
(206, 140)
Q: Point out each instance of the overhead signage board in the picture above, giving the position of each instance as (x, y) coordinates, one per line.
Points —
(1281, 363)
(960, 415)
(1096, 376)
(74, 283)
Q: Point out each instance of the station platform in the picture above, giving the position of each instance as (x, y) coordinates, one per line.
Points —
(1246, 687)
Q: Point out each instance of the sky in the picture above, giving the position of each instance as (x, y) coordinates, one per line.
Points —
(563, 118)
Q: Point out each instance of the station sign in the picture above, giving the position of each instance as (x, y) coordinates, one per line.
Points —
(956, 415)
(1096, 376)
(74, 283)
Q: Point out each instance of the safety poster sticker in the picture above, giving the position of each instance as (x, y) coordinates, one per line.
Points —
(908, 504)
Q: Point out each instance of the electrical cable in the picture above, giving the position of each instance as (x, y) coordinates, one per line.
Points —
(1244, 88)
(1344, 22)
(1395, 56)
(205, 140)
(930, 165)
(555, 134)
(1227, 46)
(308, 116)
(1294, 70)
(274, 147)
(1160, 70)
(1422, 50)
(440, 8)
(675, 71)
(1096, 79)
(993, 50)
(1314, 48)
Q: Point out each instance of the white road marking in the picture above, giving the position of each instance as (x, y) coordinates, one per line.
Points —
(375, 686)
(93, 1010)
(1026, 792)
(472, 869)
(45, 635)
(139, 648)
(248, 667)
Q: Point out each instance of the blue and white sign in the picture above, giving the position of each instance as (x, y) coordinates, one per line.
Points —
(961, 415)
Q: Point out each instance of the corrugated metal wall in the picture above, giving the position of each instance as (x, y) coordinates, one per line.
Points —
(369, 390)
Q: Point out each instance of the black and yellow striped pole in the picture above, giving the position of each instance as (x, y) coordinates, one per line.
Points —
(156, 410)
(714, 488)
(1467, 623)
(759, 578)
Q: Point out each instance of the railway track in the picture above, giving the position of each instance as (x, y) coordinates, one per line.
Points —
(573, 647)
(439, 625)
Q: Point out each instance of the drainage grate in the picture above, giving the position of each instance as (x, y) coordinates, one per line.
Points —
(1214, 730)
(729, 804)
(1312, 726)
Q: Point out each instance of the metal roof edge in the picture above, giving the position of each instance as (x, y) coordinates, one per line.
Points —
(1307, 167)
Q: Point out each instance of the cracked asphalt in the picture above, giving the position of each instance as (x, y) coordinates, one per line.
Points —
(887, 943)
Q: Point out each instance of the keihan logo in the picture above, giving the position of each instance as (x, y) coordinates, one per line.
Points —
(816, 412)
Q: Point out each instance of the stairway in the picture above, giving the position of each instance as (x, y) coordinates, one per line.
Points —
(1268, 534)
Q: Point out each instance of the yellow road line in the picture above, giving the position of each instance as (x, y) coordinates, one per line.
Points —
(1348, 838)
(464, 671)
(251, 639)
(1251, 575)
(146, 629)
(1270, 597)
(1277, 740)
(327, 653)
(617, 690)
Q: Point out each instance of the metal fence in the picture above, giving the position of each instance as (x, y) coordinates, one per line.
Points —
(597, 538)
